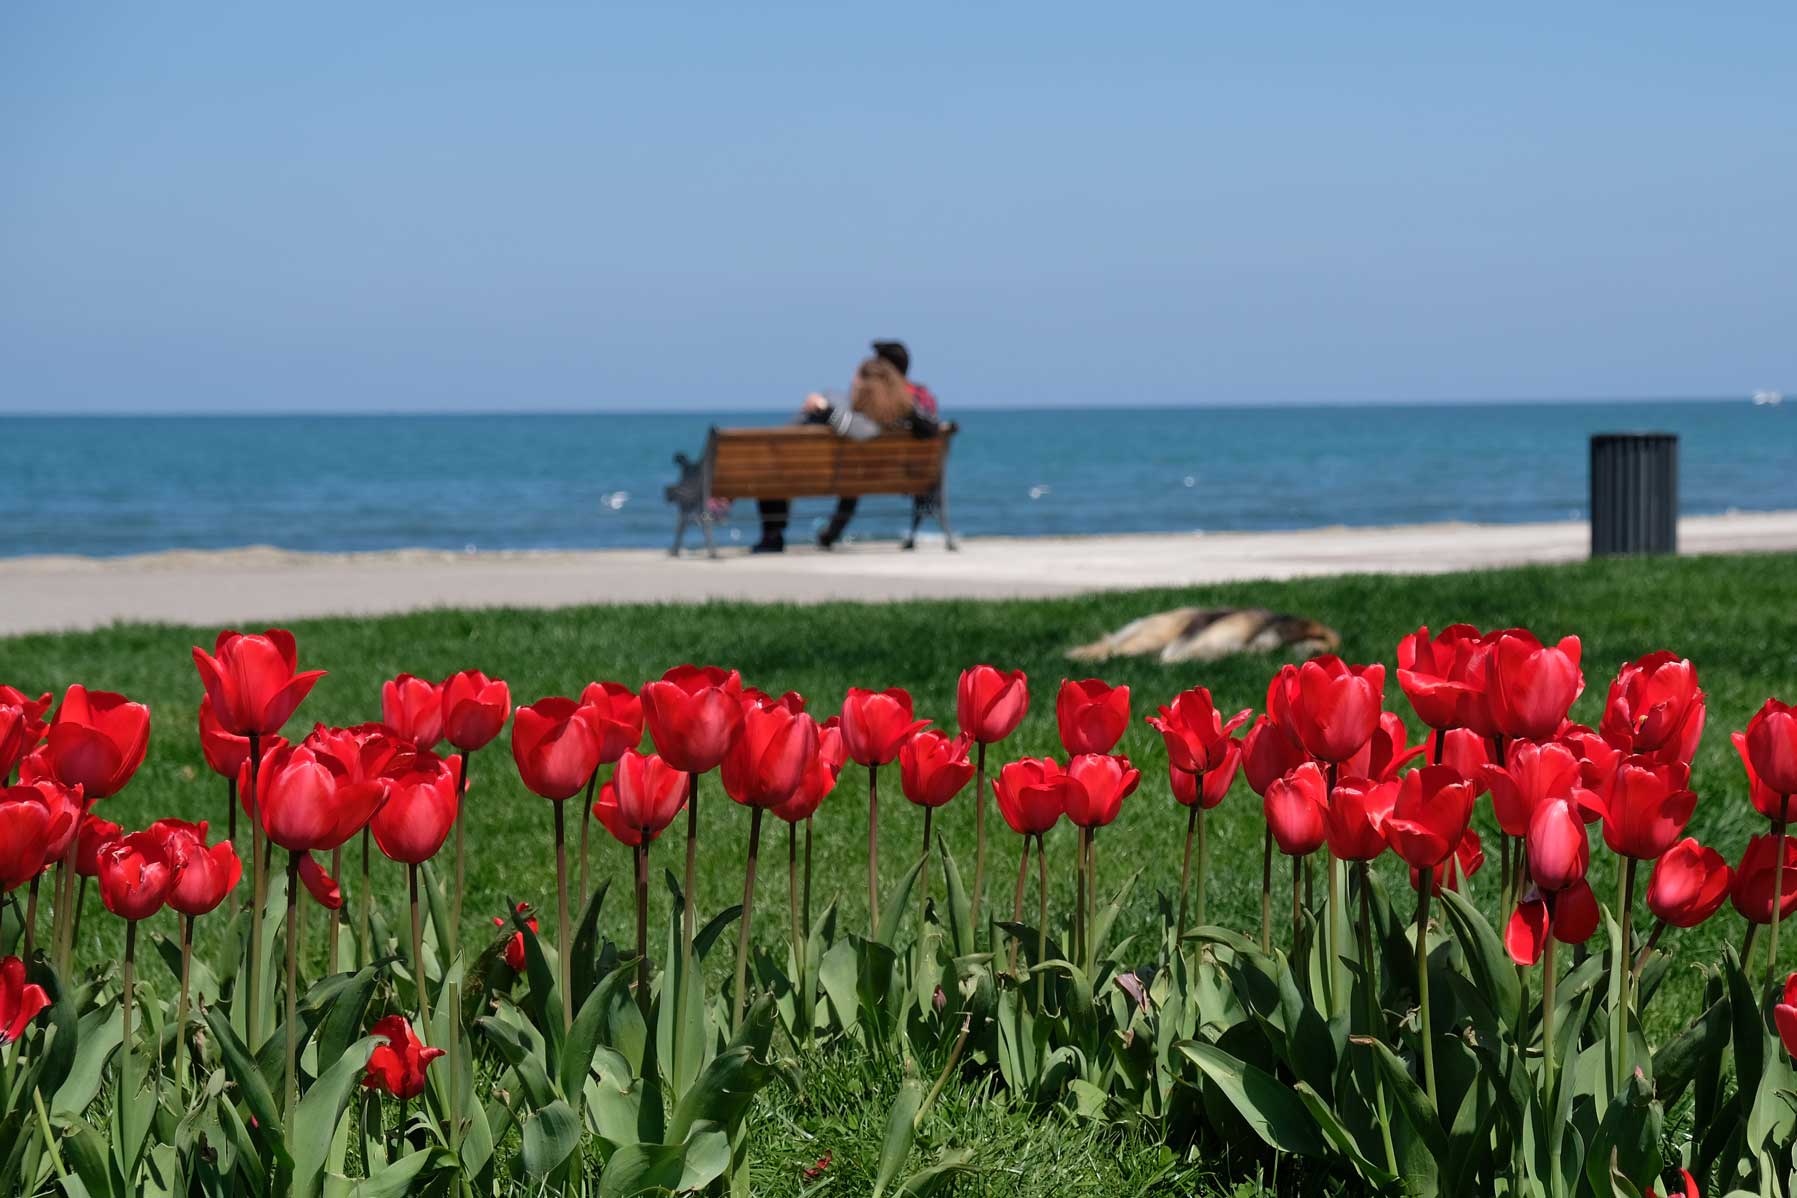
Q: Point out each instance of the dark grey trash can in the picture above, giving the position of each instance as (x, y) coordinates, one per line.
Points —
(1634, 493)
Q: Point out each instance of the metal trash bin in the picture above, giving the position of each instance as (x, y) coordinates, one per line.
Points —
(1634, 493)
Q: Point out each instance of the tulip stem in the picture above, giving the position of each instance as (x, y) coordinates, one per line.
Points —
(1423, 891)
(923, 893)
(564, 951)
(424, 1003)
(80, 903)
(293, 883)
(1266, 891)
(1041, 923)
(1297, 900)
(1547, 1025)
(642, 929)
(461, 800)
(1375, 1026)
(873, 851)
(330, 944)
(1753, 931)
(181, 1062)
(363, 901)
(586, 822)
(31, 917)
(1023, 873)
(1078, 947)
(742, 940)
(688, 923)
(1653, 940)
(801, 990)
(1336, 986)
(258, 894)
(1185, 879)
(127, 1000)
(1778, 892)
(1625, 900)
(1203, 853)
(979, 836)
(807, 877)
(1092, 899)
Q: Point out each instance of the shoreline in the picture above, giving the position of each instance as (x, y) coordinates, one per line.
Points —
(261, 583)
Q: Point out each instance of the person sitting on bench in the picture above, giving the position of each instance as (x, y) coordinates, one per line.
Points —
(881, 400)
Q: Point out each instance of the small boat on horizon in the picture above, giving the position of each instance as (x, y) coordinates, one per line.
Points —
(1767, 399)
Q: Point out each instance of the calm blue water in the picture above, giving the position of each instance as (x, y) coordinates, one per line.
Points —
(115, 485)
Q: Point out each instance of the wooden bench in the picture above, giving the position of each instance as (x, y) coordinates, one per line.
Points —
(801, 460)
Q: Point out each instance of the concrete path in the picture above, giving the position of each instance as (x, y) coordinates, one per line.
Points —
(248, 586)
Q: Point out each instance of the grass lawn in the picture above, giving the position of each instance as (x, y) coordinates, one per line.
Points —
(1736, 618)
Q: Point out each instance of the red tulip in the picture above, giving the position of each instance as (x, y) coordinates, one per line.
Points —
(555, 748)
(1032, 794)
(1647, 807)
(820, 776)
(419, 811)
(225, 752)
(768, 760)
(615, 714)
(693, 714)
(306, 800)
(1755, 878)
(25, 825)
(22, 726)
(1689, 1191)
(1654, 707)
(1569, 915)
(413, 708)
(1196, 737)
(514, 947)
(96, 741)
(1559, 851)
(1598, 760)
(1772, 746)
(1092, 715)
(1434, 674)
(397, 1067)
(364, 753)
(475, 708)
(1217, 780)
(136, 875)
(1295, 806)
(1100, 784)
(1282, 700)
(20, 1001)
(1689, 883)
(1531, 686)
(1433, 807)
(321, 885)
(989, 703)
(203, 876)
(1530, 775)
(1385, 753)
(933, 769)
(1336, 707)
(1354, 817)
(251, 680)
(646, 793)
(1464, 751)
(1269, 753)
(1466, 860)
(1766, 801)
(94, 833)
(65, 805)
(1785, 1015)
(875, 724)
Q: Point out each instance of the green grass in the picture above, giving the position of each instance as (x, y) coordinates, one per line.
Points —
(1734, 617)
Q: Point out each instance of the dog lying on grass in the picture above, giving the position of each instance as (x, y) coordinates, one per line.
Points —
(1208, 633)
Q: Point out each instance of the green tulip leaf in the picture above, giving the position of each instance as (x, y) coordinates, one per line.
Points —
(320, 1112)
(1275, 1113)
(901, 1133)
(1493, 973)
(551, 1135)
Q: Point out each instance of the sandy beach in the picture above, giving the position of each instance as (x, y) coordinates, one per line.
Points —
(43, 594)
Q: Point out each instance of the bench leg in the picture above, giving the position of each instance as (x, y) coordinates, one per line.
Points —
(948, 534)
(711, 549)
(918, 504)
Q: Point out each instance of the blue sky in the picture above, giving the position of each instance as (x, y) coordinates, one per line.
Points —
(420, 207)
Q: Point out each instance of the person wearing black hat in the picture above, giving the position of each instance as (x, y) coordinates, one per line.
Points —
(881, 399)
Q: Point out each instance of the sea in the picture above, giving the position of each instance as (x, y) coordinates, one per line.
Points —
(112, 485)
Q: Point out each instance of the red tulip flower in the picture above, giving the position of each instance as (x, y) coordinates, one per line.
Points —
(1101, 782)
(934, 769)
(1195, 734)
(252, 682)
(1465, 752)
(990, 703)
(1655, 708)
(1092, 715)
(1689, 1190)
(397, 1066)
(320, 885)
(693, 713)
(1598, 760)
(96, 741)
(1689, 883)
(769, 758)
(876, 724)
(1755, 879)
(1785, 1015)
(1466, 860)
(514, 947)
(364, 753)
(1433, 807)
(1354, 817)
(1772, 746)
(1559, 851)
(1434, 673)
(25, 825)
(225, 752)
(203, 876)
(1295, 806)
(475, 708)
(413, 708)
(556, 749)
(1531, 774)
(20, 1001)
(1217, 780)
(615, 714)
(306, 800)
(819, 780)
(1531, 686)
(1385, 753)
(22, 726)
(419, 811)
(1269, 753)
(1647, 807)
(1766, 801)
(646, 793)
(1282, 700)
(1032, 794)
(1569, 916)
(136, 875)
(94, 833)
(1336, 706)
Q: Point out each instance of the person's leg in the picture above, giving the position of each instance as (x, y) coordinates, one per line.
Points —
(839, 520)
(773, 524)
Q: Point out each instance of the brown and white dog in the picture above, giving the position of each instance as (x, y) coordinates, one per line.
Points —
(1208, 633)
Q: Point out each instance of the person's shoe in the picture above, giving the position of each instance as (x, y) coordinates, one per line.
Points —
(769, 545)
(825, 540)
